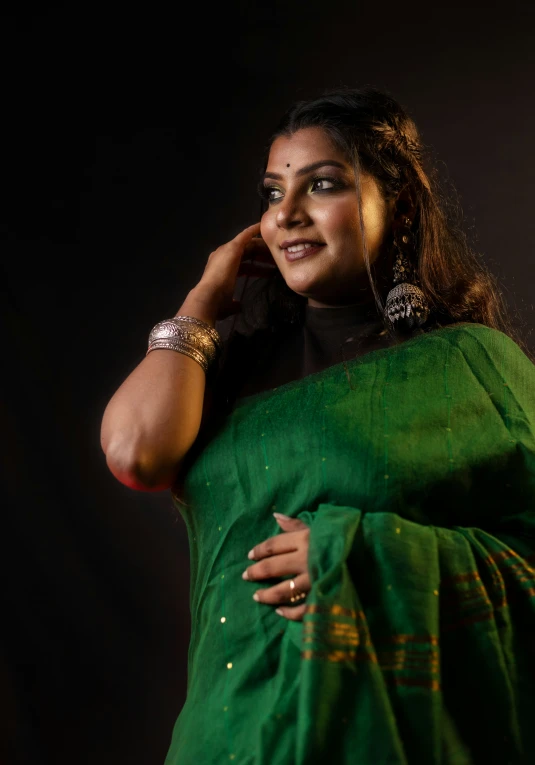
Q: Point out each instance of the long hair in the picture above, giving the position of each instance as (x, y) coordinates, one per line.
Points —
(379, 138)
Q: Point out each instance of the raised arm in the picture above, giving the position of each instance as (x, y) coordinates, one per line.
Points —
(153, 419)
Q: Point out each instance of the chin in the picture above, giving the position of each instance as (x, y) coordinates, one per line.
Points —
(308, 294)
(315, 290)
(302, 284)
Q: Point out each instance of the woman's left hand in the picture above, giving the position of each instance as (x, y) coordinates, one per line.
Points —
(283, 555)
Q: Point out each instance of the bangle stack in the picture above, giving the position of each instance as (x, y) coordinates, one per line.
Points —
(187, 335)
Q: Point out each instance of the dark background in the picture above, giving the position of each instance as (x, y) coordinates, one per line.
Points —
(131, 142)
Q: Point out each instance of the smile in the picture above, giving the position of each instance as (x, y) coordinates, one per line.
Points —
(302, 250)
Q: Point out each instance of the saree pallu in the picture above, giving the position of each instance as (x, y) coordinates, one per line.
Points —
(414, 467)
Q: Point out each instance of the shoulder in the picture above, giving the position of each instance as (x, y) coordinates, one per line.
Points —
(491, 356)
(470, 338)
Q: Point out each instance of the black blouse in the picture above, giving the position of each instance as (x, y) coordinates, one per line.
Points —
(328, 336)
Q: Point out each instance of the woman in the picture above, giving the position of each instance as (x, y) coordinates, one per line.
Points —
(374, 400)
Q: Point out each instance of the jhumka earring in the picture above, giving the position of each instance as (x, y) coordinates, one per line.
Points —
(406, 304)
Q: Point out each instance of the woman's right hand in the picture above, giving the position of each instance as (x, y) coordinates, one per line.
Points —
(154, 417)
(215, 290)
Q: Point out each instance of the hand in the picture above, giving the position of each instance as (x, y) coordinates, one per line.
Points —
(279, 556)
(242, 255)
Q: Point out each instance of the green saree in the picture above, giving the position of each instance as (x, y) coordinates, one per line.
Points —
(415, 468)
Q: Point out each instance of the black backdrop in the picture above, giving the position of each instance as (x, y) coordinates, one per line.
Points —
(131, 142)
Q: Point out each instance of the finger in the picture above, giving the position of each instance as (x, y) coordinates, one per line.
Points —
(257, 253)
(280, 543)
(257, 248)
(276, 566)
(288, 523)
(247, 233)
(245, 244)
(283, 593)
(256, 242)
(293, 613)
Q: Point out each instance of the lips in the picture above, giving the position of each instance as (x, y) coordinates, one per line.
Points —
(298, 249)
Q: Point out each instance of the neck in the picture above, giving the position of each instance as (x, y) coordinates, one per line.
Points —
(359, 295)
(365, 300)
(317, 304)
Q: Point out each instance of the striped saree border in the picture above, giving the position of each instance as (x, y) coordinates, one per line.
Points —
(406, 659)
(466, 600)
(337, 634)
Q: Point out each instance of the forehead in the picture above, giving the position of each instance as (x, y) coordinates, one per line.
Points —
(302, 148)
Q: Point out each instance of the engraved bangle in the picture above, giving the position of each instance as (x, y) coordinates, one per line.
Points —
(196, 339)
(174, 344)
(190, 333)
(214, 334)
(195, 330)
(180, 323)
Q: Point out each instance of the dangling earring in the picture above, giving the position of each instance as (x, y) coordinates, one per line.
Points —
(406, 304)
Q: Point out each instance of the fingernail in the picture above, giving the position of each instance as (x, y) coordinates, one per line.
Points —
(279, 612)
(280, 515)
(245, 575)
(250, 554)
(255, 597)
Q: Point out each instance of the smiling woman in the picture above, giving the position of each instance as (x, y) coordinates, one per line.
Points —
(354, 458)
(312, 226)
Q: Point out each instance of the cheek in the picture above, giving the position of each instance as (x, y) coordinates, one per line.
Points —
(341, 224)
(376, 221)
(269, 231)
(266, 227)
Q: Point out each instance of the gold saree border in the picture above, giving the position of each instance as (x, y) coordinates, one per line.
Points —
(329, 637)
(410, 660)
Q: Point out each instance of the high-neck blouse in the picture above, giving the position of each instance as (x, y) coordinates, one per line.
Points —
(326, 337)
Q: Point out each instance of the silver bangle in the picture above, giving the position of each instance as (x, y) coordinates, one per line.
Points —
(214, 334)
(177, 324)
(187, 335)
(174, 344)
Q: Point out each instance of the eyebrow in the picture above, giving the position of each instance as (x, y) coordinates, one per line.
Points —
(308, 168)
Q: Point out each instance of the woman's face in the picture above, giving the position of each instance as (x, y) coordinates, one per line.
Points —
(312, 226)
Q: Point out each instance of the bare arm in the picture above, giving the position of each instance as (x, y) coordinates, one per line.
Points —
(153, 418)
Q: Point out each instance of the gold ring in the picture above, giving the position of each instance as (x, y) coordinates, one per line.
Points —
(297, 595)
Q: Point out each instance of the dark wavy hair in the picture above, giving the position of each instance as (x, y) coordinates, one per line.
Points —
(379, 138)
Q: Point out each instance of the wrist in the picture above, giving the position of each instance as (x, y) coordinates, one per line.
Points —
(200, 306)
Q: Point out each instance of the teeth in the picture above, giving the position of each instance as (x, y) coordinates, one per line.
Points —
(298, 247)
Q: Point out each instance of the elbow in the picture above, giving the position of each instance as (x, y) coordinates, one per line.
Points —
(138, 471)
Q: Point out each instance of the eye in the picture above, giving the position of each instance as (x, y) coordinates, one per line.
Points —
(323, 184)
(269, 193)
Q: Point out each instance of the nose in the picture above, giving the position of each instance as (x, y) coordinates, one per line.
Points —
(291, 212)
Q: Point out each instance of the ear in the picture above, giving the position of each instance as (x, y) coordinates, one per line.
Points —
(405, 206)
